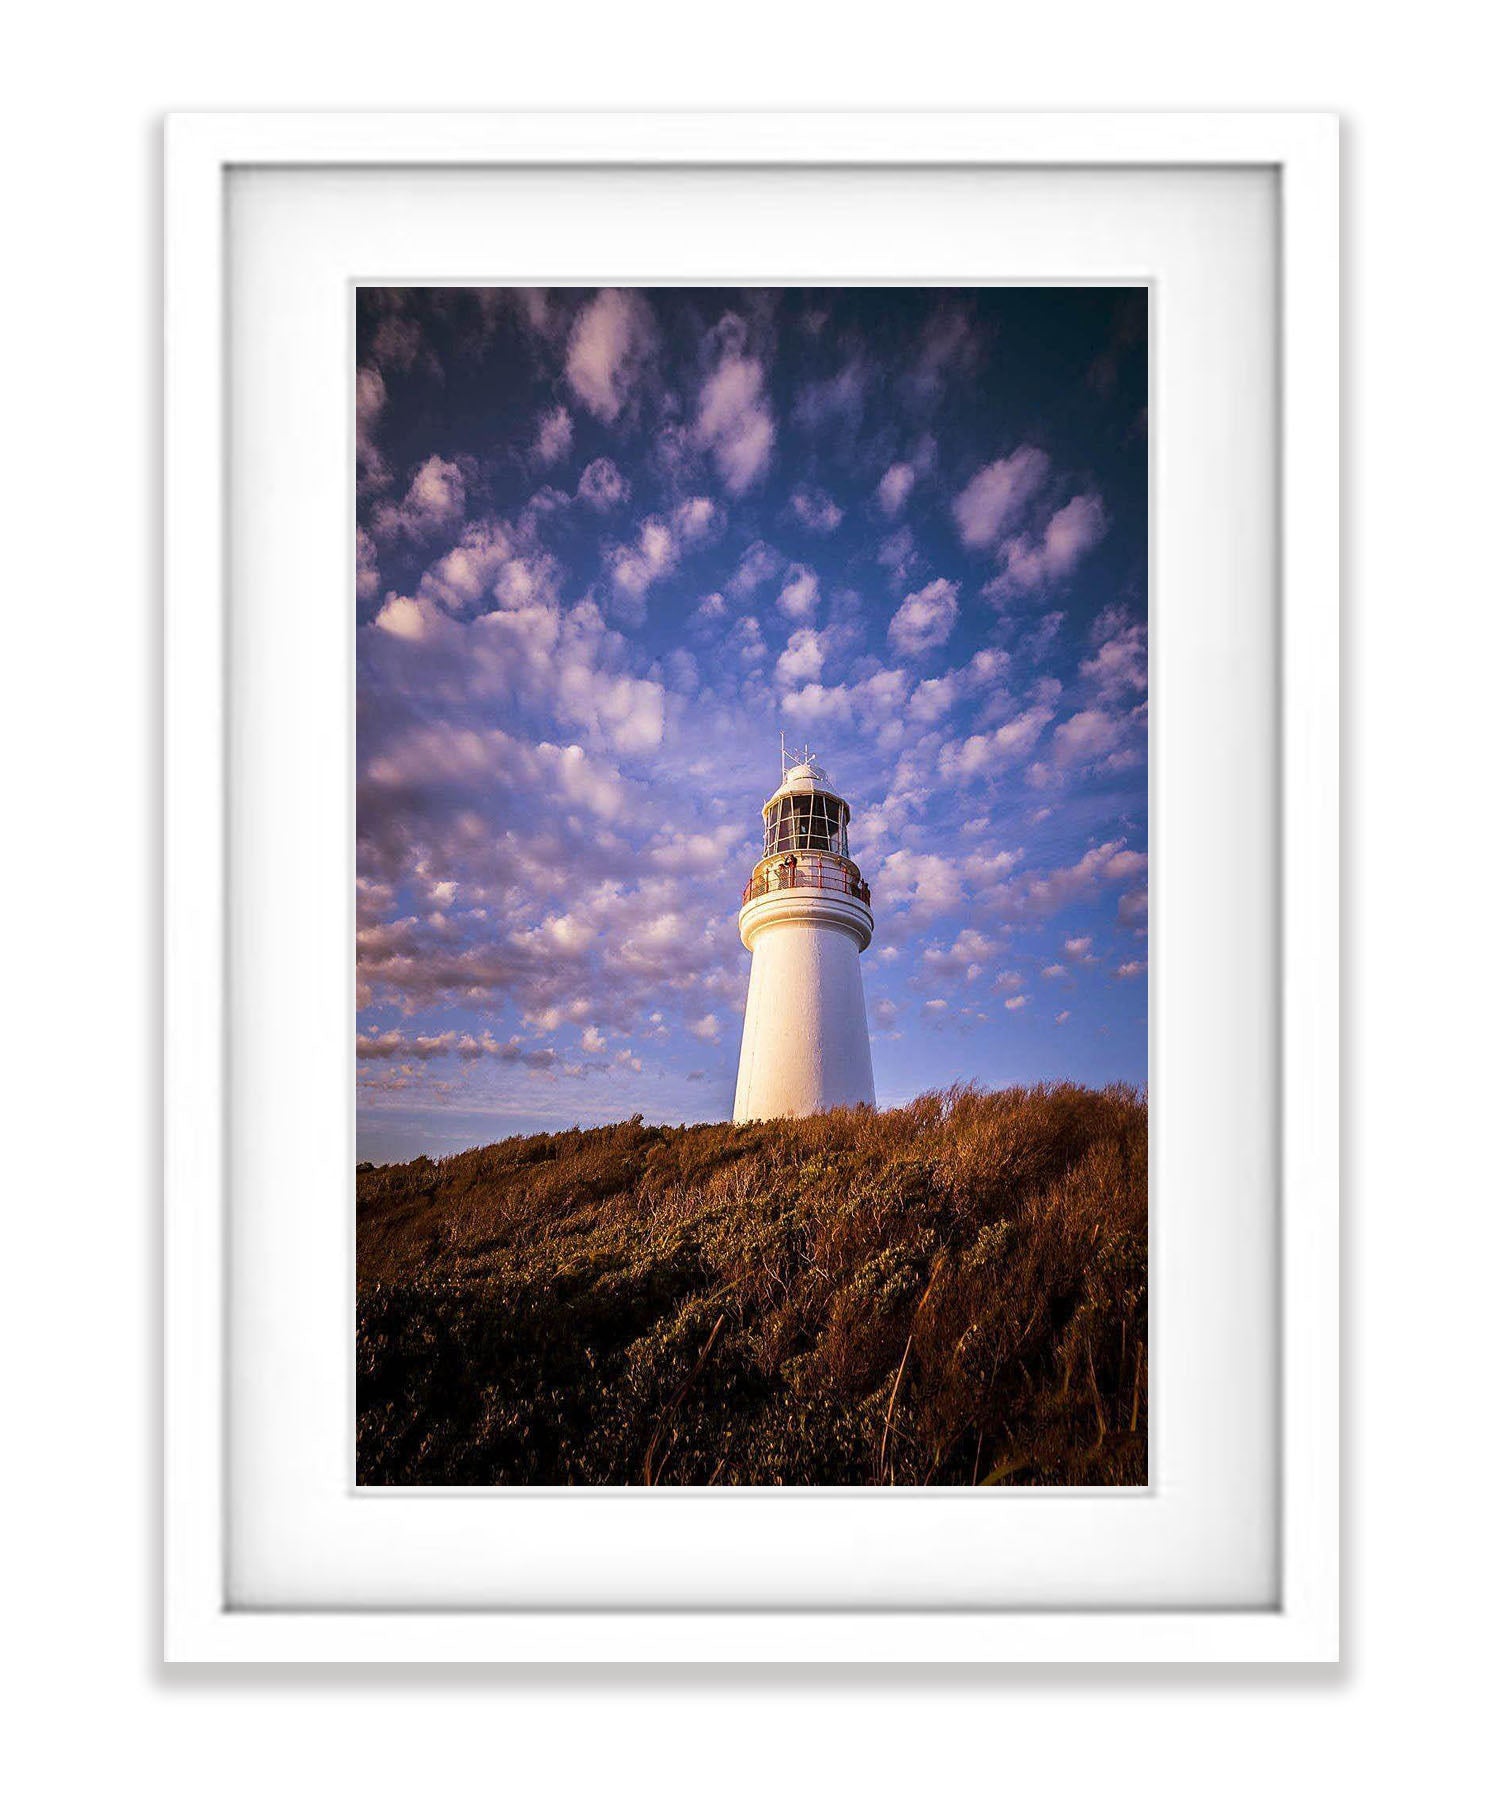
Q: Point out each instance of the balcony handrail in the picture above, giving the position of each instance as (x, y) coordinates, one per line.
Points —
(829, 878)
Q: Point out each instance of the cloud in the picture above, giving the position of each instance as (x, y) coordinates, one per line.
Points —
(397, 342)
(895, 488)
(936, 696)
(602, 486)
(1015, 1003)
(1030, 563)
(924, 620)
(374, 473)
(560, 667)
(696, 518)
(734, 422)
(817, 510)
(488, 565)
(923, 882)
(966, 956)
(387, 1046)
(798, 598)
(1118, 666)
(1030, 897)
(636, 567)
(802, 660)
(366, 565)
(898, 554)
(1092, 737)
(1132, 908)
(985, 752)
(949, 347)
(837, 400)
(434, 502)
(997, 497)
(611, 342)
(554, 436)
(402, 618)
(633, 568)
(706, 621)
(706, 1029)
(746, 642)
(442, 755)
(1127, 971)
(873, 705)
(756, 567)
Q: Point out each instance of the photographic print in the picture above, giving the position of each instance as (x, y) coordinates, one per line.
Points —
(751, 1037)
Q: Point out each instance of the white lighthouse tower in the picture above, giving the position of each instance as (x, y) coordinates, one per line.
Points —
(805, 919)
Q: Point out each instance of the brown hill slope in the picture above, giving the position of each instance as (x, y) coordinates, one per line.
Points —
(953, 1291)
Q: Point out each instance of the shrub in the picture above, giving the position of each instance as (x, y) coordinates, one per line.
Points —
(949, 1292)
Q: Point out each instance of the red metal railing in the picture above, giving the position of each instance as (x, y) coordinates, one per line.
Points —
(806, 872)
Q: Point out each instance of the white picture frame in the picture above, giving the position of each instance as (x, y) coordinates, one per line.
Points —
(202, 1621)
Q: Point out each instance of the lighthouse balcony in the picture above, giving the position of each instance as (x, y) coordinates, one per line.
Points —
(825, 874)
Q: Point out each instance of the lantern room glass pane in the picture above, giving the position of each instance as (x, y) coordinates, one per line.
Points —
(801, 822)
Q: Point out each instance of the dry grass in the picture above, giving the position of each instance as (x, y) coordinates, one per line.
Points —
(951, 1292)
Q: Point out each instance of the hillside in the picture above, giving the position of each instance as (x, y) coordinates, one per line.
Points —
(951, 1292)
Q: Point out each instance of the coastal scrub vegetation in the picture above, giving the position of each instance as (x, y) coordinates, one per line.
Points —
(950, 1292)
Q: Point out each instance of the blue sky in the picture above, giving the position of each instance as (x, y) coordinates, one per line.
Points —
(610, 543)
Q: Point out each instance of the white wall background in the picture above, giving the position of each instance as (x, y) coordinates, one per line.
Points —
(85, 87)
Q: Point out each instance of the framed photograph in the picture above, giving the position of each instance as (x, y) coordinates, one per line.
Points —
(690, 642)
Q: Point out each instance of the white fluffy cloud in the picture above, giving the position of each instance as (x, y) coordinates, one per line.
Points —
(798, 598)
(895, 488)
(925, 620)
(611, 341)
(921, 881)
(802, 660)
(434, 502)
(965, 956)
(1040, 895)
(1088, 737)
(1118, 665)
(985, 752)
(402, 618)
(658, 546)
(634, 567)
(1042, 560)
(756, 567)
(997, 497)
(734, 420)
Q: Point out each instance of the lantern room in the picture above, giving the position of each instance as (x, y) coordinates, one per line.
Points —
(805, 814)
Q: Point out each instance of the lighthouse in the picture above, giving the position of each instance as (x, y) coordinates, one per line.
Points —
(805, 918)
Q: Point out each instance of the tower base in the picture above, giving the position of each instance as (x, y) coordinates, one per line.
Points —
(806, 1043)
